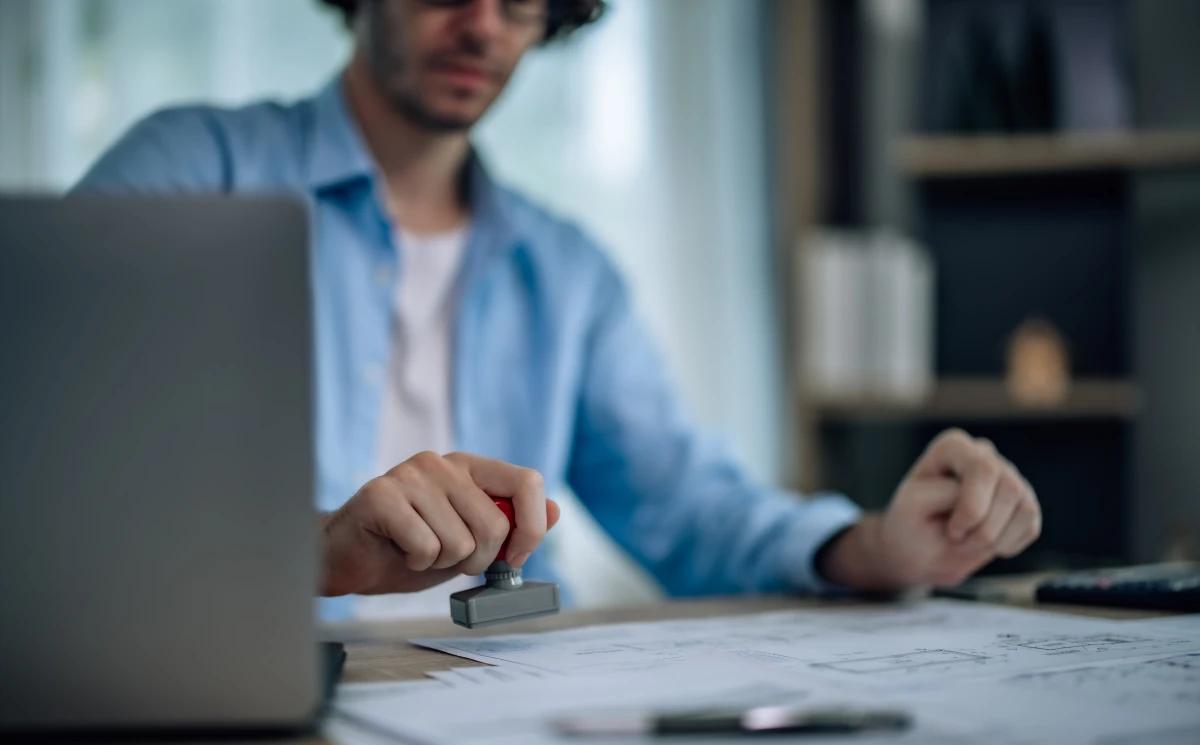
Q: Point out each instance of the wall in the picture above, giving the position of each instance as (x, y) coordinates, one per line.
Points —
(74, 74)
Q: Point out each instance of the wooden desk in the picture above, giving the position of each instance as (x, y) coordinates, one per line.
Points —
(379, 651)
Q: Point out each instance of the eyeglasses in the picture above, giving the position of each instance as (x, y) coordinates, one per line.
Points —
(521, 12)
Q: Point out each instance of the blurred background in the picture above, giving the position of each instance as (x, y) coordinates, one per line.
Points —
(850, 223)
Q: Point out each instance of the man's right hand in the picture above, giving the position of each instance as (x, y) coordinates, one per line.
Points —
(428, 520)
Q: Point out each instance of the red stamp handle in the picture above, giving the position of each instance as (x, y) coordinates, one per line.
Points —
(506, 507)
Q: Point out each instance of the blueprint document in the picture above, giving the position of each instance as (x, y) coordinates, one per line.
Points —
(469, 676)
(523, 713)
(921, 644)
(968, 673)
(1151, 700)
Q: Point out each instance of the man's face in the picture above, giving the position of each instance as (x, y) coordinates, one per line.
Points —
(442, 63)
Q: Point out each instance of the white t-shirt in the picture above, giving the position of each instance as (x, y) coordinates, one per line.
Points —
(417, 412)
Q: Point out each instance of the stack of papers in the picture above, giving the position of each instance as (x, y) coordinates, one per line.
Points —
(460, 677)
(968, 673)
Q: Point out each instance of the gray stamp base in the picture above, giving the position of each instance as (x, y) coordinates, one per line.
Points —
(486, 606)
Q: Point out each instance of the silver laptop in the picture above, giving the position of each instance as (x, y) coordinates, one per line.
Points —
(157, 562)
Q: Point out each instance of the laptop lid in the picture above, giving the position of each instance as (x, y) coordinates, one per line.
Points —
(157, 535)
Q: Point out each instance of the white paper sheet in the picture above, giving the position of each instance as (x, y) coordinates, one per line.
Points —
(386, 689)
(459, 677)
(927, 643)
(339, 730)
(520, 713)
(969, 673)
(1150, 700)
(1144, 700)
(344, 732)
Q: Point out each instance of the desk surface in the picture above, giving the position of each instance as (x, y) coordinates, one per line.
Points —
(378, 651)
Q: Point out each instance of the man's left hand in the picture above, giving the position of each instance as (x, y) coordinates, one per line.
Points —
(961, 506)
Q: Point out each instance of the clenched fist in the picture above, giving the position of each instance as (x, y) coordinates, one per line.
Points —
(960, 506)
(428, 520)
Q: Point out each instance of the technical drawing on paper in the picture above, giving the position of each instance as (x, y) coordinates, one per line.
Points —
(1054, 645)
(1090, 643)
(922, 644)
(1158, 679)
(962, 655)
(905, 661)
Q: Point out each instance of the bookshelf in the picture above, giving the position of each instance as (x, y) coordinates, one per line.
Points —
(987, 400)
(1019, 225)
(957, 157)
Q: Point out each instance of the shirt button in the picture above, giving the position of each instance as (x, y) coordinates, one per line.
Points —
(373, 375)
(383, 276)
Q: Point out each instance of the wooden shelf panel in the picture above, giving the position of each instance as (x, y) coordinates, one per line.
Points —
(988, 400)
(945, 157)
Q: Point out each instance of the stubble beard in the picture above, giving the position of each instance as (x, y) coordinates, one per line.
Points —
(387, 69)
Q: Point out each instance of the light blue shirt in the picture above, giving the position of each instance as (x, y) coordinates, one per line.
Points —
(552, 368)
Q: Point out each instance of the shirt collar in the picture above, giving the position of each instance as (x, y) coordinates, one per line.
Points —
(483, 194)
(336, 153)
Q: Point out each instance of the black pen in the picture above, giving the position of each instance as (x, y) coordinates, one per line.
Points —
(751, 721)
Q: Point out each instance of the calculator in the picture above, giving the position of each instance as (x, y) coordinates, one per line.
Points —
(1174, 586)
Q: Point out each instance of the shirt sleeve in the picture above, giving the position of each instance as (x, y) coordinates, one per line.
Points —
(670, 493)
(172, 151)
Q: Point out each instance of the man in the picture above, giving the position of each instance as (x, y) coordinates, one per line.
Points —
(454, 314)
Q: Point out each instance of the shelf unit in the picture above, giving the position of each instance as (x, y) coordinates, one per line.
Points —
(988, 400)
(1018, 226)
(956, 157)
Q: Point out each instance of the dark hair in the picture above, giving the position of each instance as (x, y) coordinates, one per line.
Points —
(566, 16)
